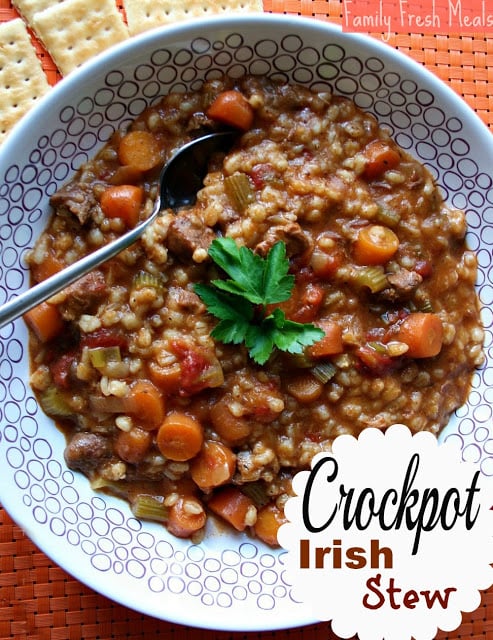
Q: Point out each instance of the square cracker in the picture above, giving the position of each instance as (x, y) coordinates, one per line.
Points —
(75, 30)
(29, 8)
(147, 14)
(22, 79)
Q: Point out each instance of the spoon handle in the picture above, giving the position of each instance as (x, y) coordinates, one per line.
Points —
(47, 288)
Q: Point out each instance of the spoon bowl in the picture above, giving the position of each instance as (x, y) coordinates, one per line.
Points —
(182, 176)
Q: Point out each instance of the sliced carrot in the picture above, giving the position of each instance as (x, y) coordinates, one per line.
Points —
(180, 437)
(140, 149)
(375, 244)
(304, 387)
(146, 402)
(168, 378)
(186, 516)
(45, 321)
(331, 344)
(123, 201)
(231, 107)
(269, 519)
(231, 428)
(233, 506)
(47, 268)
(213, 466)
(379, 157)
(132, 446)
(423, 334)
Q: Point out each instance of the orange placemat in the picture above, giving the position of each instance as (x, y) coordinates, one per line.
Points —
(39, 600)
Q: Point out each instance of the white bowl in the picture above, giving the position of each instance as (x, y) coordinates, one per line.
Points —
(227, 582)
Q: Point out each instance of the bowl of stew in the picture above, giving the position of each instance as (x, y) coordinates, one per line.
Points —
(332, 275)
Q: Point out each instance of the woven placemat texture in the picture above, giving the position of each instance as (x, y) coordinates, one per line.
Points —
(464, 62)
(39, 600)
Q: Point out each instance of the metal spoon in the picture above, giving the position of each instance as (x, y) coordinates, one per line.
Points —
(180, 180)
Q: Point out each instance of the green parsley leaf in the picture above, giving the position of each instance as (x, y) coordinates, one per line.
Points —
(259, 280)
(234, 312)
(277, 284)
(254, 282)
(244, 267)
(260, 343)
(277, 331)
(291, 336)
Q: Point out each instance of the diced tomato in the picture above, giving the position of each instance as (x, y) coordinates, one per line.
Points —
(193, 364)
(391, 317)
(306, 299)
(313, 436)
(424, 268)
(310, 302)
(61, 369)
(262, 174)
(103, 338)
(305, 276)
(199, 369)
(325, 265)
(375, 362)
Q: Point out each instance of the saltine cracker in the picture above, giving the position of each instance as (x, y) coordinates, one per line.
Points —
(143, 15)
(75, 30)
(22, 79)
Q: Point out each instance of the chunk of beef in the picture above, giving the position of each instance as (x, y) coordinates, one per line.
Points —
(403, 284)
(82, 295)
(405, 281)
(185, 300)
(186, 233)
(296, 240)
(86, 451)
(75, 198)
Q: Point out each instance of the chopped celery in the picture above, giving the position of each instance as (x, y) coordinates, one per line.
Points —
(144, 279)
(424, 303)
(54, 403)
(98, 483)
(379, 347)
(372, 277)
(101, 356)
(239, 190)
(149, 507)
(426, 306)
(324, 371)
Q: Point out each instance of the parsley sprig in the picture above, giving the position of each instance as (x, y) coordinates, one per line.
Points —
(240, 302)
